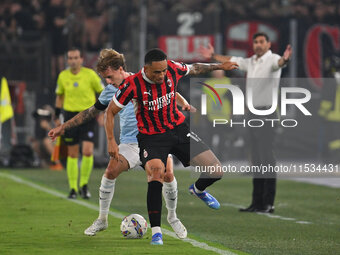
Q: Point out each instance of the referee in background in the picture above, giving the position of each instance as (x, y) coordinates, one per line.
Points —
(76, 91)
(263, 76)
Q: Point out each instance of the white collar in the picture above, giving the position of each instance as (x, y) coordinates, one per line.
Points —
(263, 57)
(146, 78)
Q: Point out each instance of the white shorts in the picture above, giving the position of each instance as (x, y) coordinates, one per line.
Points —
(130, 151)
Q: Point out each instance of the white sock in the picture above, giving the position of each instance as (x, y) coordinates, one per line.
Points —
(156, 230)
(170, 196)
(106, 191)
(197, 190)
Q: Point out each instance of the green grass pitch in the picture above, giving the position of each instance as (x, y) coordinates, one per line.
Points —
(306, 220)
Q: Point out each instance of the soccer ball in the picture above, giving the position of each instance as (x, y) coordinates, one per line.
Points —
(133, 226)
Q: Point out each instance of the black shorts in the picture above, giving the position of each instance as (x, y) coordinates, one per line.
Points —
(175, 141)
(84, 132)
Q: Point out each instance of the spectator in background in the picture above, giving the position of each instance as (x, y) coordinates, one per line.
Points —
(324, 12)
(56, 26)
(263, 76)
(60, 17)
(22, 19)
(5, 34)
(37, 14)
(76, 26)
(94, 27)
(41, 144)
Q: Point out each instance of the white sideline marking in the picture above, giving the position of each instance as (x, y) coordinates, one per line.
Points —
(114, 214)
(269, 215)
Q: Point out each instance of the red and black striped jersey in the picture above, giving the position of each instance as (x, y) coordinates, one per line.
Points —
(155, 104)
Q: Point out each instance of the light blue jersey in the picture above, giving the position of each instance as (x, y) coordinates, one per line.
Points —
(128, 122)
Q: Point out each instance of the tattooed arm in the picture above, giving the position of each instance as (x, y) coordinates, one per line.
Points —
(82, 117)
(77, 120)
(200, 68)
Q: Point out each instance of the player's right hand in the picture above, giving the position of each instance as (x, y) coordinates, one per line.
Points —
(55, 132)
(206, 52)
(113, 149)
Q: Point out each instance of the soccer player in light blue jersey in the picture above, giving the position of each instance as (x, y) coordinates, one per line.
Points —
(111, 66)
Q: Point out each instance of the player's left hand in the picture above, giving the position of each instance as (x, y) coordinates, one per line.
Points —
(288, 52)
(113, 149)
(55, 132)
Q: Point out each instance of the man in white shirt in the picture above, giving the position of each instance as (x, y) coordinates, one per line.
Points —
(263, 77)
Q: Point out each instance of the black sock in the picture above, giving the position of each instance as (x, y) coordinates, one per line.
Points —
(154, 202)
(203, 182)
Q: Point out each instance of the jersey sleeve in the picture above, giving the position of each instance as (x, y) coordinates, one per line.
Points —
(242, 63)
(275, 64)
(106, 95)
(99, 106)
(60, 88)
(124, 94)
(180, 69)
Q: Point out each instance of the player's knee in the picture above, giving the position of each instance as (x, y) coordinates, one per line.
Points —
(110, 173)
(157, 175)
(87, 153)
(87, 149)
(113, 171)
(155, 170)
(168, 176)
(72, 154)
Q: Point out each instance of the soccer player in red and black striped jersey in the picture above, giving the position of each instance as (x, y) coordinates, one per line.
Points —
(162, 129)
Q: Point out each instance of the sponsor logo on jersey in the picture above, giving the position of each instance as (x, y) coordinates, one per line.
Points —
(160, 102)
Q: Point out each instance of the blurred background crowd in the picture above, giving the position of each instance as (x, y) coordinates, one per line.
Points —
(94, 24)
(35, 35)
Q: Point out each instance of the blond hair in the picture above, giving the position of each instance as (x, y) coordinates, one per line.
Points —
(110, 58)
